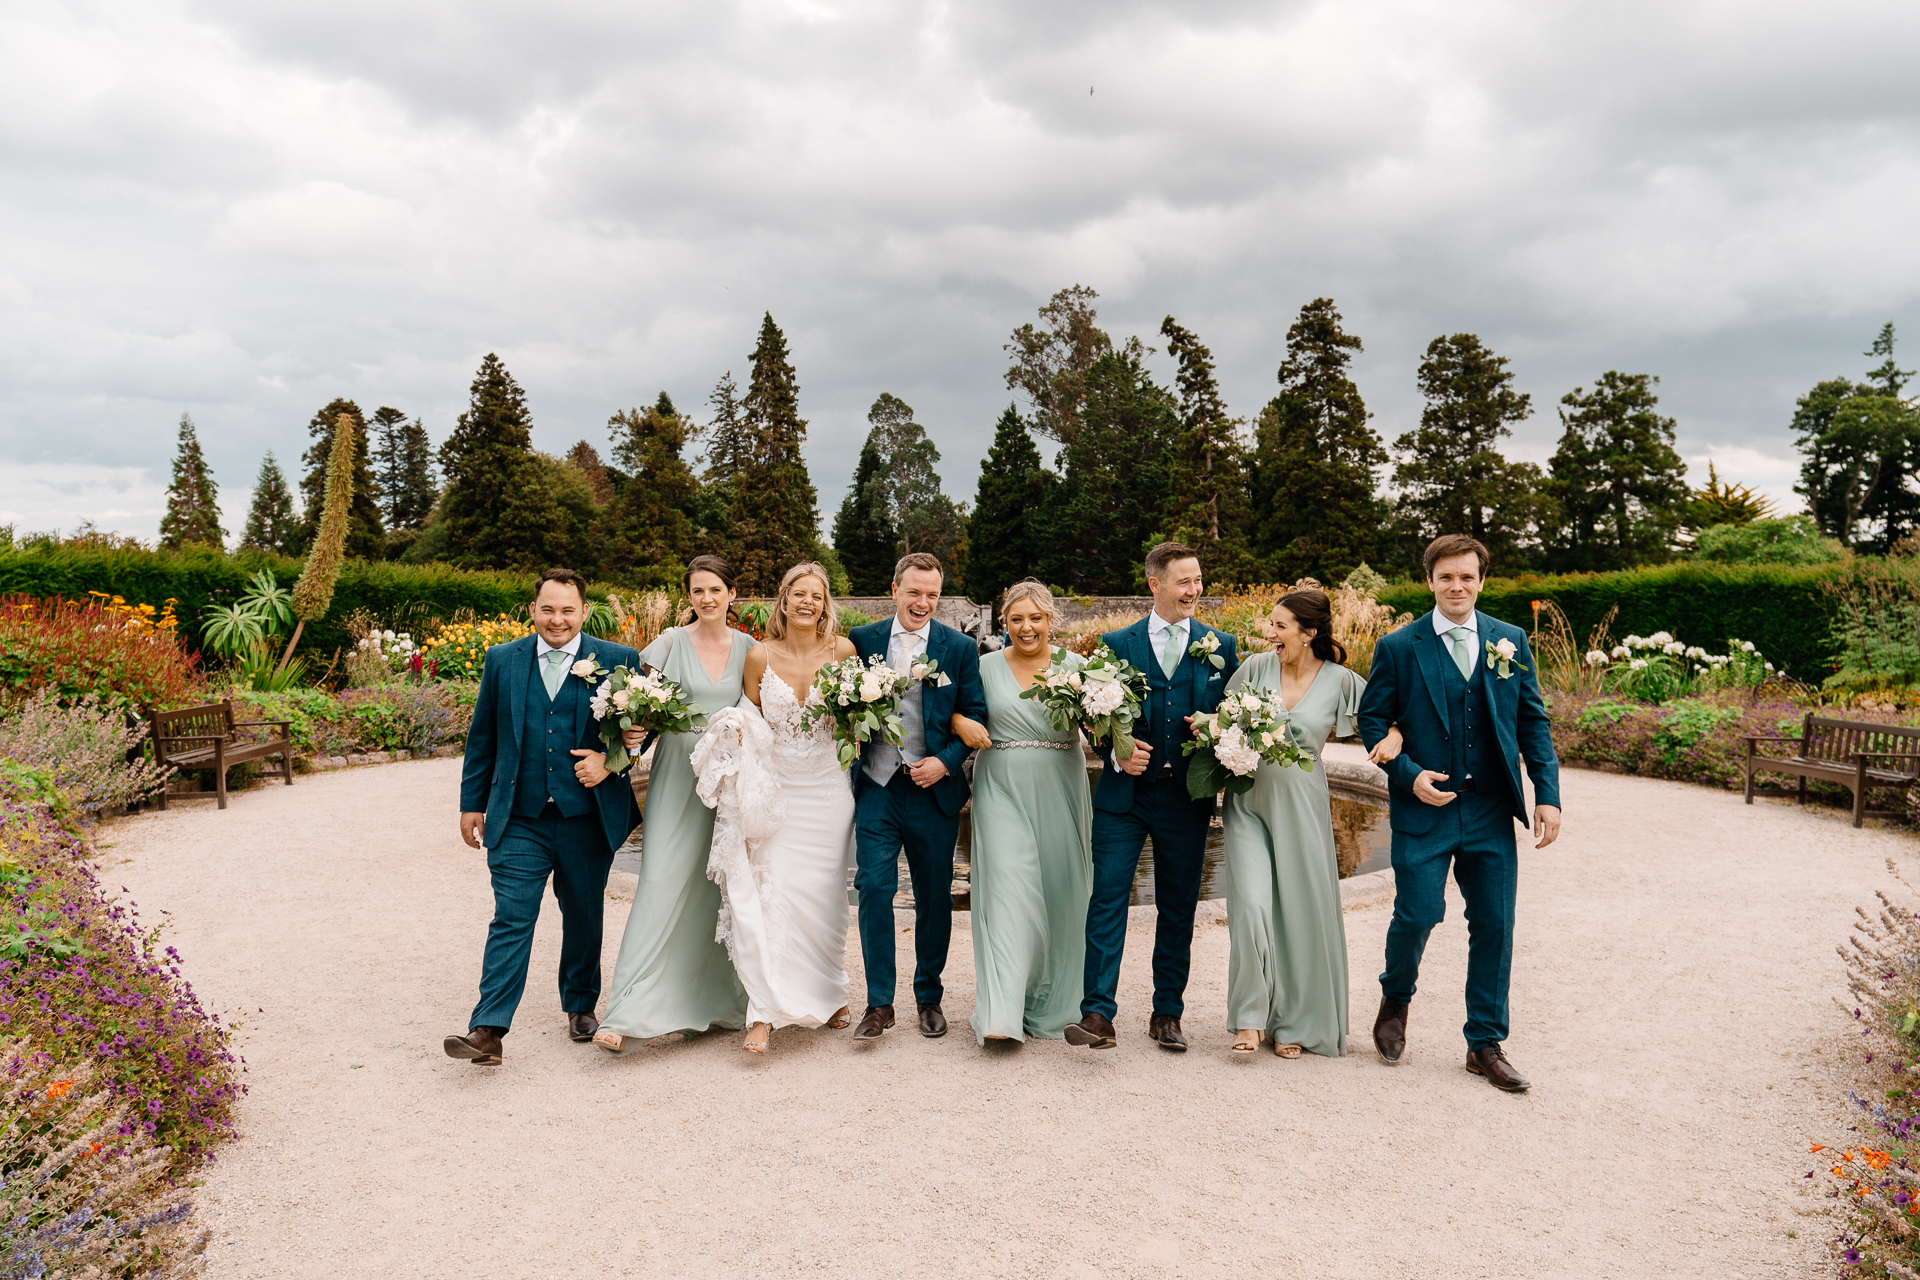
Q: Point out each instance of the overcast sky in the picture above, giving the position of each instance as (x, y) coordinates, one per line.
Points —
(242, 210)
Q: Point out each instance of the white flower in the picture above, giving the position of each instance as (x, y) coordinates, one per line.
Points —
(1769, 666)
(1266, 740)
(1695, 651)
(1234, 754)
(1073, 680)
(1596, 658)
(845, 701)
(1673, 646)
(1621, 651)
(1638, 664)
(583, 668)
(1661, 637)
(1103, 698)
(1505, 648)
(1747, 645)
(870, 690)
(1206, 644)
(622, 698)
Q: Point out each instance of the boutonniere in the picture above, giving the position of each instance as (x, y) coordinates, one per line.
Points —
(1208, 647)
(924, 668)
(588, 668)
(1500, 658)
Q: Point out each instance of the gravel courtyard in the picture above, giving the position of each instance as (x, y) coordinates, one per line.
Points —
(1672, 989)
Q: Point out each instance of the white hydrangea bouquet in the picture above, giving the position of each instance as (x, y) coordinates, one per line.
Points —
(643, 699)
(859, 700)
(1103, 695)
(1230, 744)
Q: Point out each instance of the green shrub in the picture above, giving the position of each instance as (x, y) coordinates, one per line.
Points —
(1789, 540)
(1876, 625)
(1785, 610)
(82, 746)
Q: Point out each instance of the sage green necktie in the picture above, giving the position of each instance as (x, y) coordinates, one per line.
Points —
(556, 670)
(1170, 652)
(1462, 655)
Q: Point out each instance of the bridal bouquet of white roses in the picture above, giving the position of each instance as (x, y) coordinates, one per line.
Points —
(1229, 744)
(643, 699)
(1103, 695)
(859, 700)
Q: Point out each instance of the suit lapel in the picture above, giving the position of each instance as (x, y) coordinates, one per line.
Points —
(1428, 649)
(517, 675)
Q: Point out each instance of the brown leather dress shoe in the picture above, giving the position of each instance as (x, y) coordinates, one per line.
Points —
(1492, 1063)
(1390, 1031)
(581, 1026)
(876, 1019)
(1165, 1029)
(479, 1046)
(1093, 1031)
(933, 1023)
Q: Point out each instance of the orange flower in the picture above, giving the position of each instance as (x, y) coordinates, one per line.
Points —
(59, 1089)
(1816, 1147)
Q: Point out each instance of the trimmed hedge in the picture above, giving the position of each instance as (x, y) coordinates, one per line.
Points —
(1781, 608)
(196, 577)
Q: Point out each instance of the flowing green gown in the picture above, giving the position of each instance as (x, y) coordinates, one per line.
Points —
(671, 974)
(1288, 971)
(1032, 867)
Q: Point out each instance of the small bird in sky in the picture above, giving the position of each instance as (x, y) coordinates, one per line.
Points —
(1089, 91)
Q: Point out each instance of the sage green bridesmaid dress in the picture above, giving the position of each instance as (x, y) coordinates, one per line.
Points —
(671, 974)
(1288, 971)
(1032, 867)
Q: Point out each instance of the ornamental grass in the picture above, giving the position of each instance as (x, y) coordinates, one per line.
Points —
(125, 655)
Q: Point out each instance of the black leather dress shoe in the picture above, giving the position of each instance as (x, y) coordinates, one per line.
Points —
(933, 1023)
(581, 1026)
(1492, 1063)
(1390, 1031)
(1093, 1031)
(480, 1046)
(876, 1019)
(1165, 1030)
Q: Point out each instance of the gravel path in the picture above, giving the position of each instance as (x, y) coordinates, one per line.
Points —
(1671, 1002)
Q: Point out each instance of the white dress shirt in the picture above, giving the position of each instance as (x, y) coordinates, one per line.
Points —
(903, 646)
(1157, 629)
(571, 648)
(1444, 629)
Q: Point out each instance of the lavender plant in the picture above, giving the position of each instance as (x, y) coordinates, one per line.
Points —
(83, 745)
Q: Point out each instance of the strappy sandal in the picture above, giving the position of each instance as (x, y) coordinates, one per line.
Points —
(761, 1047)
(1242, 1047)
(1285, 1050)
(611, 1041)
(840, 1020)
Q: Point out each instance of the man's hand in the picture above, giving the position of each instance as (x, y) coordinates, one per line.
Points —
(1388, 748)
(970, 731)
(1135, 764)
(633, 739)
(591, 767)
(927, 772)
(1428, 793)
(1546, 824)
(471, 825)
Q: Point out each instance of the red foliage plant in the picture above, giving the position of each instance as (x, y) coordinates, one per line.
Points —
(94, 646)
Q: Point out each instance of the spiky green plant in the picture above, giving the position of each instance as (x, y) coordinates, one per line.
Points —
(314, 592)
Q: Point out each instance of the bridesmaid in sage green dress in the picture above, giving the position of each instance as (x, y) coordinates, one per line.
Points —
(672, 975)
(1287, 975)
(1032, 824)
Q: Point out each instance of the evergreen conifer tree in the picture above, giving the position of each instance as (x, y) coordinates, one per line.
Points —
(1620, 485)
(272, 523)
(1007, 536)
(402, 459)
(1861, 442)
(504, 506)
(1121, 451)
(585, 459)
(1451, 475)
(1051, 362)
(775, 519)
(193, 500)
(1207, 479)
(645, 535)
(863, 534)
(724, 438)
(366, 532)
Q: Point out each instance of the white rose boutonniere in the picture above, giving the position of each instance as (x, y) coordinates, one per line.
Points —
(1500, 658)
(1208, 647)
(923, 668)
(588, 668)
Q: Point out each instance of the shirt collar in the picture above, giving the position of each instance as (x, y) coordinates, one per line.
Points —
(571, 648)
(1159, 626)
(921, 635)
(1442, 627)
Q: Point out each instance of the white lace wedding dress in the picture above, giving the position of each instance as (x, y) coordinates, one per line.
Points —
(783, 818)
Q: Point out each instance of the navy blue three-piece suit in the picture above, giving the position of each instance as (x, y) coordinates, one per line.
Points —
(541, 821)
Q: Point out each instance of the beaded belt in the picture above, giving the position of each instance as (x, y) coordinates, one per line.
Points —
(1030, 742)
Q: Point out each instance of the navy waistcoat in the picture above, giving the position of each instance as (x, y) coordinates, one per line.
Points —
(546, 745)
(1169, 703)
(1476, 751)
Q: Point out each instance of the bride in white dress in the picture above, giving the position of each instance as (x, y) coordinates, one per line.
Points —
(782, 823)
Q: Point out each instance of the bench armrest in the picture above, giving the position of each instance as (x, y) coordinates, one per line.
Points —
(1886, 755)
(167, 742)
(1756, 737)
(262, 724)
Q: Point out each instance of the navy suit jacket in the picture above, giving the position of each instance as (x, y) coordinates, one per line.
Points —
(1115, 792)
(959, 659)
(1407, 688)
(492, 770)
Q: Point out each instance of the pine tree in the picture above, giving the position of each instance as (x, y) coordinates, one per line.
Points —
(402, 459)
(1314, 459)
(1051, 363)
(272, 523)
(503, 506)
(1207, 481)
(1620, 484)
(1452, 477)
(645, 535)
(863, 534)
(366, 533)
(1007, 536)
(1121, 451)
(193, 500)
(775, 518)
(585, 459)
(724, 437)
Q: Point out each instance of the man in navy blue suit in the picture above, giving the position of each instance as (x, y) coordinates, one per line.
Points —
(910, 796)
(1462, 687)
(536, 793)
(1146, 795)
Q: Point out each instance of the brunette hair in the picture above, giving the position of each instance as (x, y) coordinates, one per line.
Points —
(827, 627)
(1165, 554)
(720, 569)
(1313, 610)
(567, 576)
(918, 560)
(1030, 589)
(1454, 544)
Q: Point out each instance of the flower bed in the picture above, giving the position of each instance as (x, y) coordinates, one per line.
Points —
(127, 656)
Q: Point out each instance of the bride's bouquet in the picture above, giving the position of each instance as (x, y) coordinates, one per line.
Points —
(859, 700)
(1103, 694)
(1248, 730)
(643, 699)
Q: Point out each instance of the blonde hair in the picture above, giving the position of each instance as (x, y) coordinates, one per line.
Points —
(827, 627)
(1036, 591)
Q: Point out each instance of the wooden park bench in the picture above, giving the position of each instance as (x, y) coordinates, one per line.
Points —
(205, 738)
(1855, 754)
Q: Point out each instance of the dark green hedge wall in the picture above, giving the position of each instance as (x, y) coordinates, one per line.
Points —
(1781, 608)
(401, 595)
